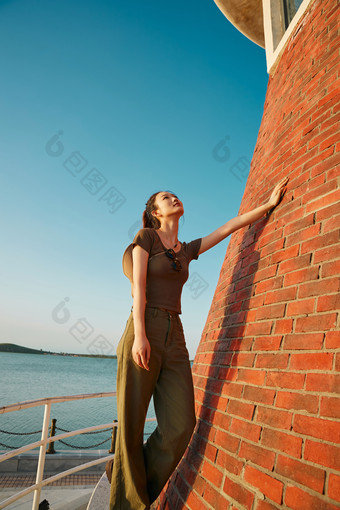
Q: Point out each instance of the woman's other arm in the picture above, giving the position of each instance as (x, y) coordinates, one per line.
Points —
(141, 347)
(243, 220)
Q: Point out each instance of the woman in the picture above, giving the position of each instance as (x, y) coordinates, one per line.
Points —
(152, 355)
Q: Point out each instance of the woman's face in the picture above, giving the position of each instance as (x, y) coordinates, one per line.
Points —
(167, 205)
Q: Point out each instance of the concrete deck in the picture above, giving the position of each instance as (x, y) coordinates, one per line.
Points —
(70, 493)
(26, 463)
(59, 498)
(101, 495)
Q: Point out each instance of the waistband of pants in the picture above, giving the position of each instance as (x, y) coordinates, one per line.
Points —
(157, 309)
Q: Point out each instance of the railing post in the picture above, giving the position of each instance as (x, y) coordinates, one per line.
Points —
(50, 448)
(113, 438)
(41, 461)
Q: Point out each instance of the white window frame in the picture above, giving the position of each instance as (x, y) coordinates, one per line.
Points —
(271, 18)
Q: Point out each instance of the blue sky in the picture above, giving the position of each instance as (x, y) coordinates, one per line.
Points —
(102, 104)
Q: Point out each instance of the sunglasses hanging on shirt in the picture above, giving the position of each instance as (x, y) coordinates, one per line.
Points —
(175, 262)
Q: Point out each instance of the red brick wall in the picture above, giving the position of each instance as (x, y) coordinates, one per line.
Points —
(266, 370)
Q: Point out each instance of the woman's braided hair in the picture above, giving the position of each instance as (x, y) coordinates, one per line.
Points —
(150, 221)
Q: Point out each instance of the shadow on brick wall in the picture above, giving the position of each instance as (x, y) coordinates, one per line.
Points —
(214, 370)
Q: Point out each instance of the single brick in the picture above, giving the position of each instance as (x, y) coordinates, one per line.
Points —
(328, 303)
(334, 487)
(276, 296)
(297, 499)
(281, 441)
(272, 360)
(301, 341)
(328, 383)
(312, 361)
(262, 395)
(317, 322)
(330, 407)
(268, 485)
(316, 427)
(330, 269)
(300, 472)
(301, 307)
(283, 326)
(243, 496)
(274, 418)
(270, 311)
(241, 409)
(265, 343)
(289, 380)
(232, 389)
(294, 264)
(229, 463)
(323, 454)
(245, 429)
(243, 359)
(258, 328)
(297, 401)
(226, 441)
(257, 454)
(270, 284)
(212, 474)
(251, 376)
(321, 256)
(317, 288)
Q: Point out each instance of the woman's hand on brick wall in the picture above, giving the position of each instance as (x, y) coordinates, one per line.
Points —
(278, 191)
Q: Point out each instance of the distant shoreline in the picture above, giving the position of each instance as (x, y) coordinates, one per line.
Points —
(19, 349)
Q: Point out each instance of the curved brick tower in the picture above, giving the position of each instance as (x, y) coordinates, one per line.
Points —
(266, 370)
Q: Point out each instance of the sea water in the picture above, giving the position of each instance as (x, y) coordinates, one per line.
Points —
(32, 376)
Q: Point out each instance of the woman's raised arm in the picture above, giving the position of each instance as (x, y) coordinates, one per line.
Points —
(243, 220)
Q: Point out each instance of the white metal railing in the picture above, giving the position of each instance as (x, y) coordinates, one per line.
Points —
(45, 440)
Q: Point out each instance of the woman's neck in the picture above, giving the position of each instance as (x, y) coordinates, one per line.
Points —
(169, 231)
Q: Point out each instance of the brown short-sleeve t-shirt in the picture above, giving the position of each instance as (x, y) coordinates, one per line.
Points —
(163, 283)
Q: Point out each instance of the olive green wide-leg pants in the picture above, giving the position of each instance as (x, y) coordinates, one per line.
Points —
(140, 471)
